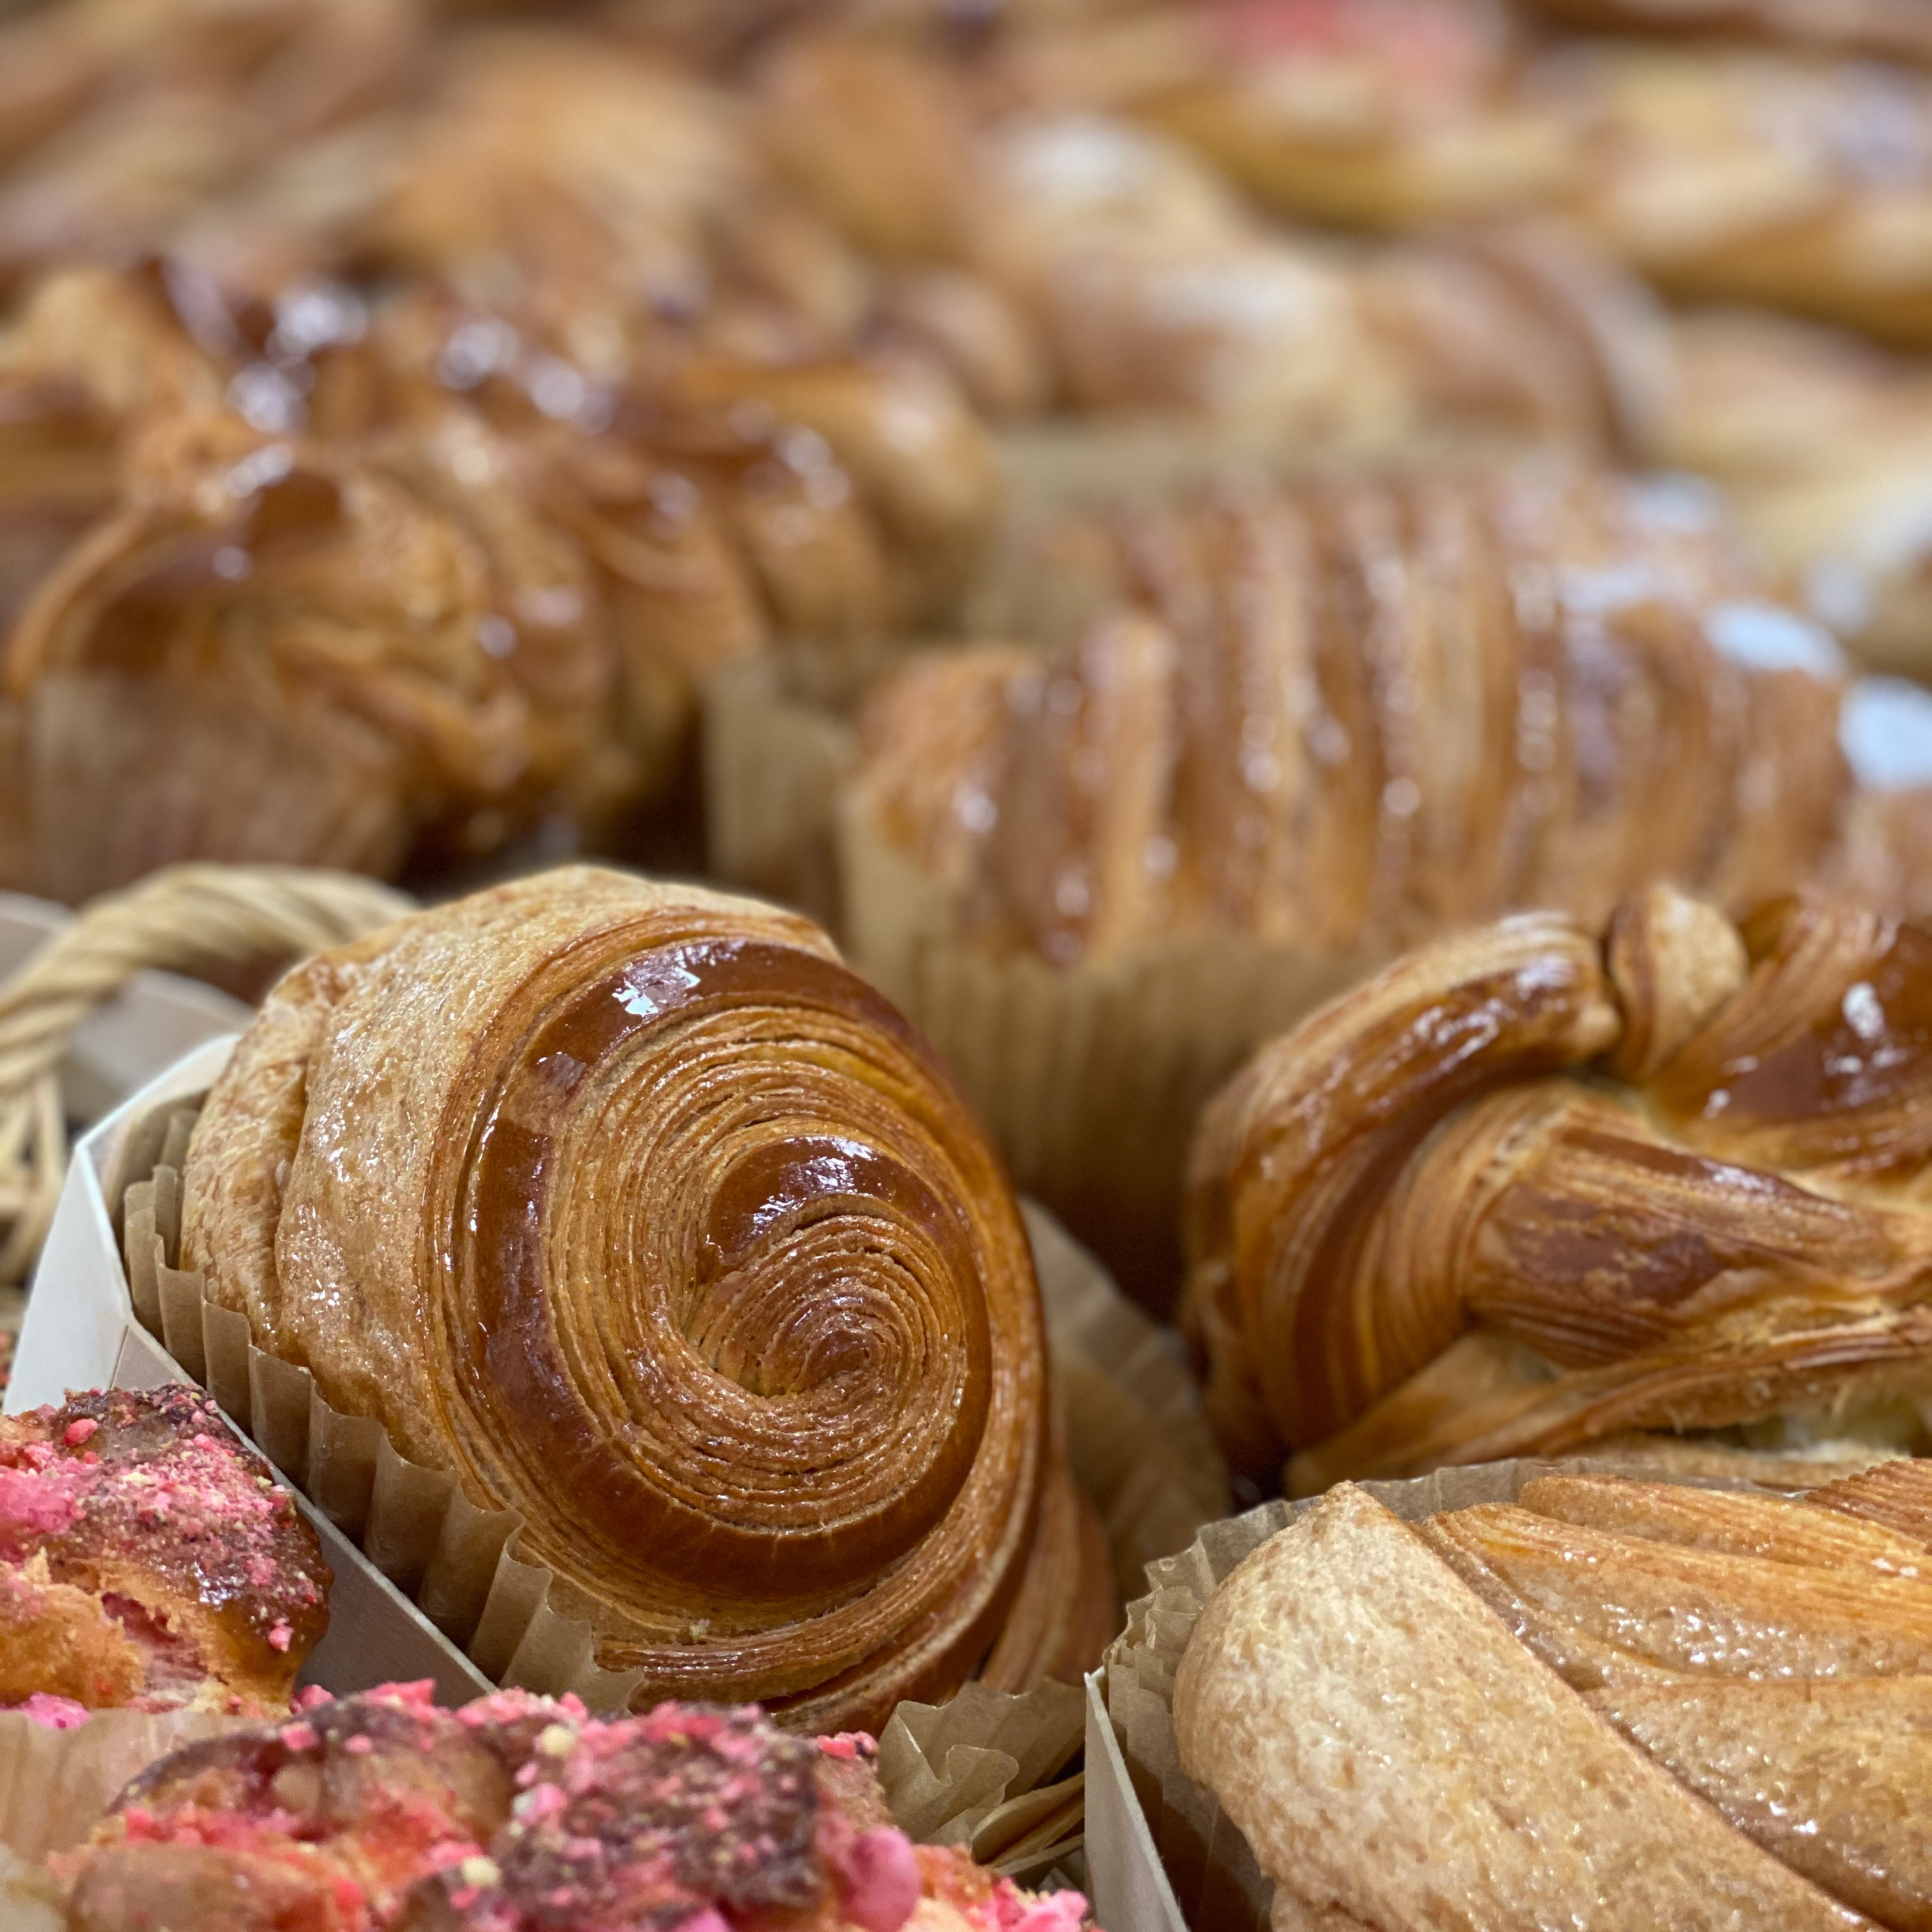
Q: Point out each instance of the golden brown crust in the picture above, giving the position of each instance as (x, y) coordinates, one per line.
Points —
(1416, 1242)
(631, 1206)
(1340, 716)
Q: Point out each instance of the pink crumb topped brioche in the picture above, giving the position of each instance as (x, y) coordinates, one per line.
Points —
(148, 1559)
(382, 1812)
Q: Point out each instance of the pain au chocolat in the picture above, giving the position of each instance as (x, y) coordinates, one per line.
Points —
(632, 1207)
(1540, 1185)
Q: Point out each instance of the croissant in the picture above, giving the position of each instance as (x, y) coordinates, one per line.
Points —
(1612, 1705)
(1531, 1188)
(1334, 714)
(631, 1207)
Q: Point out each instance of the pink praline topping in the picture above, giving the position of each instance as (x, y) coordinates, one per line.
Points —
(878, 1880)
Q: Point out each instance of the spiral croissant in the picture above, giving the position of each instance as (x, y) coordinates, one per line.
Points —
(1529, 1189)
(631, 1206)
(1611, 1704)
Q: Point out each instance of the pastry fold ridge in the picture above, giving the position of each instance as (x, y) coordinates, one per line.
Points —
(1537, 1186)
(633, 1208)
(1610, 1704)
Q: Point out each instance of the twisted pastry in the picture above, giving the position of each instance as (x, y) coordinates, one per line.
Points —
(1529, 1189)
(632, 1207)
(1333, 715)
(1611, 1704)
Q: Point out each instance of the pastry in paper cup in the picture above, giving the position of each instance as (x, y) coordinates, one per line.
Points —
(1291, 726)
(821, 1143)
(1512, 1572)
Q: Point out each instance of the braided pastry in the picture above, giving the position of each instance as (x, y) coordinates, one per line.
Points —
(633, 1208)
(1530, 1188)
(1611, 1705)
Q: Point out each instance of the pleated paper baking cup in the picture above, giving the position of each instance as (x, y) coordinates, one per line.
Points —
(515, 1621)
(1090, 1077)
(55, 1785)
(1214, 1876)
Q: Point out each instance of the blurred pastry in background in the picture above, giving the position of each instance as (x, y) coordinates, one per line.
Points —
(1899, 28)
(1823, 444)
(1753, 176)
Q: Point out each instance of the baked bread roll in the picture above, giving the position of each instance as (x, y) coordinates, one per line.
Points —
(634, 1209)
(1615, 1705)
(1533, 1187)
(147, 1562)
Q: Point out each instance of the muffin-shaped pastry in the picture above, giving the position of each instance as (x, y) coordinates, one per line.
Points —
(1607, 1704)
(518, 1813)
(1534, 1187)
(634, 1209)
(147, 1560)
(1296, 728)
(273, 650)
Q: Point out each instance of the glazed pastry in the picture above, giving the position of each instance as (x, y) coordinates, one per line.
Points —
(1612, 1705)
(518, 1812)
(297, 652)
(1290, 727)
(1267, 744)
(1531, 1188)
(730, 1301)
(147, 1561)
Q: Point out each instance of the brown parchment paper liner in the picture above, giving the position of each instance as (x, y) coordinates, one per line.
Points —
(1139, 1443)
(1090, 1076)
(970, 1772)
(1216, 1881)
(778, 743)
(55, 1785)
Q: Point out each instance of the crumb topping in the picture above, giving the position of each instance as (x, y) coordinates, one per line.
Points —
(117, 1478)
